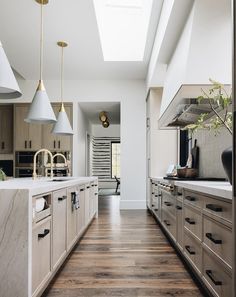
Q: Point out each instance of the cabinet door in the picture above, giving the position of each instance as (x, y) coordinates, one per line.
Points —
(59, 226)
(65, 142)
(50, 139)
(71, 218)
(21, 128)
(6, 129)
(35, 137)
(80, 214)
(91, 200)
(41, 253)
(86, 203)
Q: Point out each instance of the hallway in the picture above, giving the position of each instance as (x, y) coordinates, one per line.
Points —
(123, 254)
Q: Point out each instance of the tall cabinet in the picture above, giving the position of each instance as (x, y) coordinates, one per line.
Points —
(161, 144)
(6, 129)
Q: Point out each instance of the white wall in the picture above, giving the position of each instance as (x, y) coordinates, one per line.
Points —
(131, 95)
(111, 131)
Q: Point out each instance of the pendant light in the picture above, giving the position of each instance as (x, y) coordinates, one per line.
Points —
(62, 125)
(9, 88)
(40, 109)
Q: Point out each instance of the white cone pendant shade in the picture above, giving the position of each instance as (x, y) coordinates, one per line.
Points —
(40, 109)
(62, 125)
(9, 88)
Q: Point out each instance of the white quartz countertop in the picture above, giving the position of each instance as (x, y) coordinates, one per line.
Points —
(216, 188)
(43, 185)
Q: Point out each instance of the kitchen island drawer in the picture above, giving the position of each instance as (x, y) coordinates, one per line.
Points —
(193, 221)
(218, 208)
(169, 222)
(168, 204)
(193, 198)
(193, 250)
(217, 278)
(218, 238)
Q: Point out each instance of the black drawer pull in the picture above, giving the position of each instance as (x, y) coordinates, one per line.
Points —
(190, 221)
(45, 233)
(88, 187)
(156, 185)
(156, 209)
(190, 198)
(156, 196)
(59, 144)
(166, 222)
(92, 185)
(178, 207)
(210, 275)
(188, 248)
(54, 144)
(214, 207)
(95, 194)
(62, 198)
(167, 203)
(3, 145)
(179, 194)
(153, 193)
(214, 240)
(30, 144)
(153, 205)
(95, 185)
(25, 144)
(81, 190)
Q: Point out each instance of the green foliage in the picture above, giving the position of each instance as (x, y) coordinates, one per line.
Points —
(219, 102)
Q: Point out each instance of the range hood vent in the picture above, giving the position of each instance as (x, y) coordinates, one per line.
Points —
(204, 51)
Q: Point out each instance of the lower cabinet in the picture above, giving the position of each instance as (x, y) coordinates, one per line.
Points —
(80, 213)
(41, 253)
(200, 226)
(59, 211)
(86, 206)
(72, 216)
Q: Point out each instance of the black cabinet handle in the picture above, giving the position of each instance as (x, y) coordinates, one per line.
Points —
(214, 240)
(190, 221)
(153, 193)
(167, 203)
(153, 205)
(54, 143)
(25, 144)
(179, 194)
(190, 198)
(3, 145)
(81, 190)
(59, 144)
(62, 198)
(178, 207)
(95, 194)
(156, 209)
(156, 196)
(214, 207)
(92, 185)
(166, 222)
(96, 185)
(189, 250)
(45, 233)
(30, 144)
(210, 275)
(88, 187)
(156, 185)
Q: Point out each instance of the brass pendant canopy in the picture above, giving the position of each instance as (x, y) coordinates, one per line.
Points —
(102, 116)
(42, 2)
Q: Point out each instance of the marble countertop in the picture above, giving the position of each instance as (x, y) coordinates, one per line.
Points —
(43, 185)
(216, 188)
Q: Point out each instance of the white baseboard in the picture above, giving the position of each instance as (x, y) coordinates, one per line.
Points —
(133, 204)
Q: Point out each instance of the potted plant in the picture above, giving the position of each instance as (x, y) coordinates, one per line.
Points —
(220, 103)
(2, 175)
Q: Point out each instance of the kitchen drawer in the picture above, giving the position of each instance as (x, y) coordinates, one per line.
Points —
(217, 278)
(193, 250)
(193, 221)
(41, 253)
(194, 199)
(156, 203)
(218, 208)
(179, 223)
(169, 223)
(168, 204)
(218, 238)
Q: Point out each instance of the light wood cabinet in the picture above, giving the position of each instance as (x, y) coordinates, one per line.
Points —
(86, 203)
(59, 214)
(27, 136)
(6, 129)
(41, 253)
(55, 142)
(80, 214)
(71, 217)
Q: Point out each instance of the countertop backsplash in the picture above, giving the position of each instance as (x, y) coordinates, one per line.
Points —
(211, 147)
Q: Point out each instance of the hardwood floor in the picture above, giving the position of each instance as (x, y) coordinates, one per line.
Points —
(123, 254)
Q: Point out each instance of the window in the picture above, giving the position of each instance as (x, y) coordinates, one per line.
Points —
(115, 159)
(123, 27)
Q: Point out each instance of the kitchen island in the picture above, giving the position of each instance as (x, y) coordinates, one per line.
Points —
(40, 223)
(196, 216)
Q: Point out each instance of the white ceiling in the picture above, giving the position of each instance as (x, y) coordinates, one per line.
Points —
(73, 21)
(92, 110)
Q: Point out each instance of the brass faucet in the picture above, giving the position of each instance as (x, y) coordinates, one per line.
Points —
(65, 161)
(35, 159)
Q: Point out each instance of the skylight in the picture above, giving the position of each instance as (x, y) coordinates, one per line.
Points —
(123, 27)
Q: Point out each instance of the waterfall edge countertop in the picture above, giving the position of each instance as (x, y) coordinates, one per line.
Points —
(43, 185)
(215, 188)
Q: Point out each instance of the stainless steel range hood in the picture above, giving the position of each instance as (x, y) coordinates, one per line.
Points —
(203, 52)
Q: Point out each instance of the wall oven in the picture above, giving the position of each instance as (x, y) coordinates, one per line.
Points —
(24, 159)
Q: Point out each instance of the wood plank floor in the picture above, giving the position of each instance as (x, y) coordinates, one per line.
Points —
(123, 254)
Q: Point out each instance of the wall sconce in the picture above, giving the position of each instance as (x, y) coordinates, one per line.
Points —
(104, 119)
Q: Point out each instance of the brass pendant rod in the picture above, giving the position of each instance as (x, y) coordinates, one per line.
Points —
(41, 44)
(62, 72)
